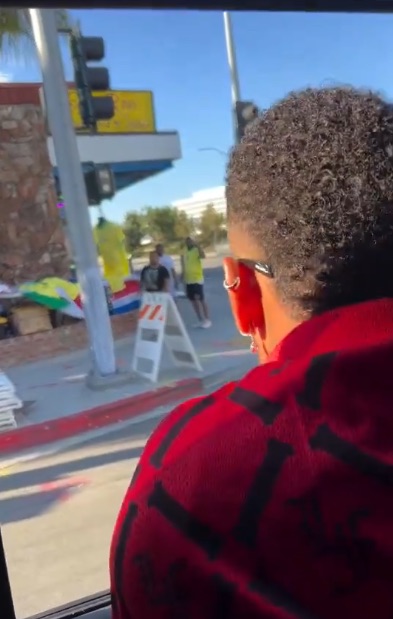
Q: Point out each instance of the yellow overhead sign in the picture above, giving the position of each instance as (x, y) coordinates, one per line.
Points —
(134, 112)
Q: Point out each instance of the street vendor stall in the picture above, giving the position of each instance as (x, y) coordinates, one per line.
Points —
(30, 307)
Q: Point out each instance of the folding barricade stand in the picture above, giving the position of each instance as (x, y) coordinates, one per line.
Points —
(160, 324)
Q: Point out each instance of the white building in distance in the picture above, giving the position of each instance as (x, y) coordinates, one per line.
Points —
(196, 204)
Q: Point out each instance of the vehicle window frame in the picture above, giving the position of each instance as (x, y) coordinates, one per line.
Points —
(7, 603)
(97, 606)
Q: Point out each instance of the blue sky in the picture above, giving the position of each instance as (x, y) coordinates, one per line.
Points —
(181, 57)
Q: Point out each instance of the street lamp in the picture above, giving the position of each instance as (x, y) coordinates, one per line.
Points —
(234, 73)
(243, 112)
(216, 150)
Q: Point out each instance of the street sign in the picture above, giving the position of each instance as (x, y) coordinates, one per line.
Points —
(134, 112)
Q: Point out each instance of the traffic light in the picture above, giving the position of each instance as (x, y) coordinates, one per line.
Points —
(246, 112)
(91, 79)
(100, 184)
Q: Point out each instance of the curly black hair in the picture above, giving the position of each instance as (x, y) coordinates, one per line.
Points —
(312, 182)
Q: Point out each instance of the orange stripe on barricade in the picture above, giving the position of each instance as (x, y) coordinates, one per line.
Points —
(154, 312)
(143, 311)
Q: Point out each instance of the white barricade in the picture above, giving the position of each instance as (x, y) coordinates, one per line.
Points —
(160, 323)
(9, 402)
(5, 383)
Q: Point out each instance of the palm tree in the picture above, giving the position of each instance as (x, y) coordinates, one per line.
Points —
(15, 33)
(16, 37)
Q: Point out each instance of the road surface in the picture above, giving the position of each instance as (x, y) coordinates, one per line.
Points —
(57, 517)
(58, 512)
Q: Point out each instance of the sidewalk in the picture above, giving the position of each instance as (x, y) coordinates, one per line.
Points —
(63, 406)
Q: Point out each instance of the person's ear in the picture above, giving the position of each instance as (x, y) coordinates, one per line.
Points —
(245, 298)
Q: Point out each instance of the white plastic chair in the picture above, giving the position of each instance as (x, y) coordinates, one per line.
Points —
(9, 402)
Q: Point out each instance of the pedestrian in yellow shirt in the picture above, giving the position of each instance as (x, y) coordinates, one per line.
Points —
(193, 278)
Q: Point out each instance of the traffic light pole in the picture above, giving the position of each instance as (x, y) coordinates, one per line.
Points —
(232, 62)
(74, 191)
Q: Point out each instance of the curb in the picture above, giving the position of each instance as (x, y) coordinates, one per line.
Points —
(107, 414)
(232, 374)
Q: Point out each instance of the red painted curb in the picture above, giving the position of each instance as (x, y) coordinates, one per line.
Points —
(98, 417)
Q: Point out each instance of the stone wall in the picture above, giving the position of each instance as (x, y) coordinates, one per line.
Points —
(32, 242)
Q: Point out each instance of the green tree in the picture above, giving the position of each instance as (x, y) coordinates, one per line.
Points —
(16, 37)
(184, 225)
(161, 223)
(134, 228)
(212, 227)
(15, 32)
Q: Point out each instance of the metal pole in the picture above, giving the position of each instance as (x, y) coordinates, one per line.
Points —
(231, 54)
(74, 192)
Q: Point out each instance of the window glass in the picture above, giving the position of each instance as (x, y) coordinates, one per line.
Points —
(68, 442)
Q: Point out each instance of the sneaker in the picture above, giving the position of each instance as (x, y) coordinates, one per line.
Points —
(197, 325)
(206, 324)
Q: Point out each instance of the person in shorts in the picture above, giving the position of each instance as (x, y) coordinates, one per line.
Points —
(193, 279)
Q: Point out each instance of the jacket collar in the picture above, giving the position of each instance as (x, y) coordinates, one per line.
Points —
(354, 326)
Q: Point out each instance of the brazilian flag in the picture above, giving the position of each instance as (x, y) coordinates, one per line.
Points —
(44, 293)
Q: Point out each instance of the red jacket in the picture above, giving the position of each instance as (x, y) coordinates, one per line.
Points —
(273, 497)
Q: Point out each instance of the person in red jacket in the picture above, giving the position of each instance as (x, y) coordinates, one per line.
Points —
(272, 498)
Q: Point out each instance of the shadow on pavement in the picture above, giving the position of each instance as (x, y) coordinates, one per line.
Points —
(16, 509)
(53, 472)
